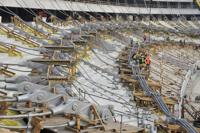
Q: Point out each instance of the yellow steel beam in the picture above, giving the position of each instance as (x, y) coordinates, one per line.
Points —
(6, 72)
(3, 49)
(61, 48)
(13, 34)
(54, 61)
(25, 27)
(10, 50)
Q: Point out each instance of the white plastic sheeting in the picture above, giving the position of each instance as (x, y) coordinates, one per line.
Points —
(87, 7)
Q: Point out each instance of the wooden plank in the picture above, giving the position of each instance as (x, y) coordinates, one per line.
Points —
(37, 124)
(131, 80)
(142, 97)
(63, 48)
(53, 61)
(98, 116)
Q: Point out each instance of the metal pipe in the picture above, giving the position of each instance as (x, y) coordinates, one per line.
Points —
(25, 115)
(8, 100)
(71, 123)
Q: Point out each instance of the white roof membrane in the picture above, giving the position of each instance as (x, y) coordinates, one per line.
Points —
(88, 7)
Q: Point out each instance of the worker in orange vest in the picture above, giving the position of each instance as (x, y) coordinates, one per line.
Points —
(148, 61)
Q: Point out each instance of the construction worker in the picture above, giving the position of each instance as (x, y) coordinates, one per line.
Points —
(148, 61)
(144, 37)
(140, 59)
(137, 44)
(135, 59)
(184, 42)
(168, 39)
(181, 42)
(143, 60)
(131, 41)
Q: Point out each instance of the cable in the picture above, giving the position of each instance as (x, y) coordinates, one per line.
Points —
(10, 12)
(31, 12)
(18, 70)
(6, 11)
(102, 60)
(89, 78)
(29, 53)
(72, 16)
(62, 12)
(109, 98)
(24, 51)
(109, 56)
(125, 104)
(14, 14)
(112, 81)
(95, 84)
(44, 9)
(86, 92)
(26, 48)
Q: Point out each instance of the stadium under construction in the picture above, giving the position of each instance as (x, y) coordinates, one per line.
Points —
(99, 66)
